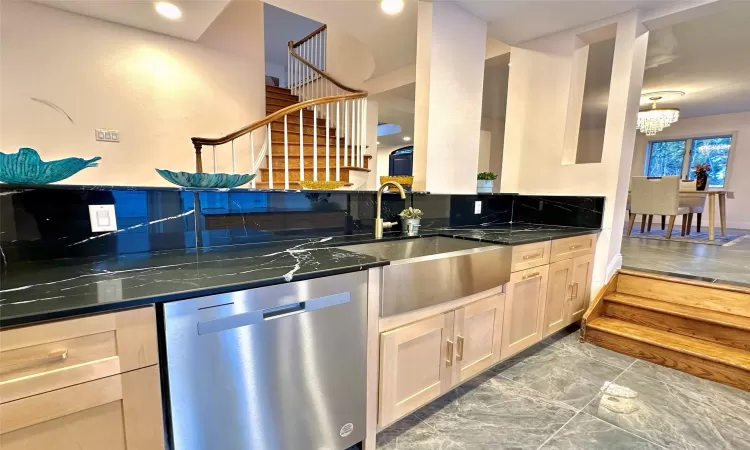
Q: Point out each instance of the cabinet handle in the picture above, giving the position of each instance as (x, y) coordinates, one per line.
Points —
(533, 255)
(449, 352)
(576, 247)
(531, 275)
(569, 294)
(52, 357)
(575, 289)
(460, 350)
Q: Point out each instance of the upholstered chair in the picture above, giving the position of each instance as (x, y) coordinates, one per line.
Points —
(655, 196)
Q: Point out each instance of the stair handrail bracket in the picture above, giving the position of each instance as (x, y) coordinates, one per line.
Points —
(323, 101)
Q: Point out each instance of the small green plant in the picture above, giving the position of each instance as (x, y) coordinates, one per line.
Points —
(411, 213)
(486, 176)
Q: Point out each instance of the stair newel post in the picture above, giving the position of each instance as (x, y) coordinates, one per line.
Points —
(328, 143)
(286, 155)
(338, 142)
(269, 149)
(253, 169)
(315, 143)
(301, 146)
(198, 157)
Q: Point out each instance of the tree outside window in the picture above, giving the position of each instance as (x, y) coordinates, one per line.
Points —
(671, 158)
(665, 158)
(715, 153)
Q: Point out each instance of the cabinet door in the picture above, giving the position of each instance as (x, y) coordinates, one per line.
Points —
(415, 365)
(583, 269)
(121, 412)
(524, 310)
(559, 288)
(478, 330)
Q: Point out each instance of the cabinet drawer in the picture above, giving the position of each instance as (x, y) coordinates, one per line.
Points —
(530, 255)
(55, 355)
(571, 247)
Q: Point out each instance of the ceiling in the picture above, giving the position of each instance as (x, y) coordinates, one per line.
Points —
(707, 58)
(197, 16)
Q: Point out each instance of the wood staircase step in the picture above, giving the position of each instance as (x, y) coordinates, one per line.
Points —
(278, 148)
(278, 174)
(278, 161)
(292, 185)
(709, 325)
(278, 125)
(279, 96)
(294, 119)
(278, 136)
(716, 297)
(279, 90)
(696, 356)
(280, 103)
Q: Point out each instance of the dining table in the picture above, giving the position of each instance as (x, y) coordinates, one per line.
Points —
(713, 194)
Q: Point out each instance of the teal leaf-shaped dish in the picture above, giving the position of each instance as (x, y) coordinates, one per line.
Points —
(26, 167)
(205, 180)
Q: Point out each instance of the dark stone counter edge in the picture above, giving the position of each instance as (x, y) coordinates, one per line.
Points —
(75, 311)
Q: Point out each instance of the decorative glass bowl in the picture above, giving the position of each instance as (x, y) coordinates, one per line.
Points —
(205, 180)
(321, 185)
(26, 167)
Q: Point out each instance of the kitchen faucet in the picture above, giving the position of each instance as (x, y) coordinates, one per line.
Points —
(379, 224)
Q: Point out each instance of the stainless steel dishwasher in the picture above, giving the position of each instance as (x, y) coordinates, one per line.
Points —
(281, 367)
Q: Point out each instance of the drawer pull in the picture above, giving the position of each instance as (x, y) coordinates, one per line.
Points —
(575, 289)
(531, 275)
(569, 295)
(449, 352)
(52, 357)
(533, 255)
(460, 350)
(576, 247)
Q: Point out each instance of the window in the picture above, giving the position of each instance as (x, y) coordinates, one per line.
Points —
(671, 158)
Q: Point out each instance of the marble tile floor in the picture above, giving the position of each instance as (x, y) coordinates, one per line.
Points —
(723, 264)
(551, 397)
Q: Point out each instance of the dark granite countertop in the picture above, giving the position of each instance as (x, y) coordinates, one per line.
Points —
(31, 292)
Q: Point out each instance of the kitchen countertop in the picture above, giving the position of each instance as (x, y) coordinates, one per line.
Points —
(36, 291)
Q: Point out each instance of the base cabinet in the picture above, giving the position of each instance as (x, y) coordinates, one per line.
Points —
(526, 294)
(568, 292)
(425, 359)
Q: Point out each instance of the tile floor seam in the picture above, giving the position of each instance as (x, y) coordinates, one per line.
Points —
(595, 359)
(623, 429)
(543, 397)
(581, 410)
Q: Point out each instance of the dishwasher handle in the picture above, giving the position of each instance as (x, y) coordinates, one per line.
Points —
(276, 312)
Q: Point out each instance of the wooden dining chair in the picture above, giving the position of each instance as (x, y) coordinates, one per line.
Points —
(694, 203)
(655, 196)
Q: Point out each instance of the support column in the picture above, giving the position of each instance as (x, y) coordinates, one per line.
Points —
(448, 107)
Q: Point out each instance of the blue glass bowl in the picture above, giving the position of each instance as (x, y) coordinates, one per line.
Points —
(26, 167)
(205, 180)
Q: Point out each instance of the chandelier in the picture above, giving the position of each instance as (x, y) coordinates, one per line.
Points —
(652, 121)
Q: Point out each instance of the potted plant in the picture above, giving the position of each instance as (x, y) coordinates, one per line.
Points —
(485, 180)
(411, 219)
(701, 176)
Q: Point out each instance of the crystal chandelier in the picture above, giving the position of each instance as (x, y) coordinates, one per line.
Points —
(652, 121)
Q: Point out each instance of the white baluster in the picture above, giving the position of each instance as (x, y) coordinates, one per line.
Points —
(286, 154)
(269, 149)
(353, 159)
(346, 132)
(252, 160)
(315, 144)
(214, 147)
(301, 146)
(288, 68)
(328, 142)
(364, 128)
(338, 142)
(234, 168)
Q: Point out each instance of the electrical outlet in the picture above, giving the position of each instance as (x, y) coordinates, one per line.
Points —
(478, 207)
(105, 135)
(102, 218)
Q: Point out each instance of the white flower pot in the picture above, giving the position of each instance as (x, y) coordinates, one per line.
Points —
(485, 185)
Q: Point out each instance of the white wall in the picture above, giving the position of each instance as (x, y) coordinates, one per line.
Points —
(275, 70)
(738, 209)
(590, 146)
(157, 91)
(383, 159)
(497, 139)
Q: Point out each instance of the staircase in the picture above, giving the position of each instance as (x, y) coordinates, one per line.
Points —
(316, 129)
(696, 327)
(278, 98)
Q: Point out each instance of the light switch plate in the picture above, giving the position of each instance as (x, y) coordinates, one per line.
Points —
(104, 135)
(102, 218)
(478, 207)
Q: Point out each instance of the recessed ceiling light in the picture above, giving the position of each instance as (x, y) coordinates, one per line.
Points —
(168, 10)
(378, 142)
(407, 138)
(392, 7)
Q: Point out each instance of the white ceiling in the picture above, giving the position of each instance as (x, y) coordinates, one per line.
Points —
(197, 16)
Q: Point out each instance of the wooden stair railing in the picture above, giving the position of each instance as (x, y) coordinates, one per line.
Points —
(342, 110)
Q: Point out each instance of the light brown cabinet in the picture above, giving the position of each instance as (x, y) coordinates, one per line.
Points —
(583, 270)
(87, 383)
(526, 293)
(425, 359)
(568, 292)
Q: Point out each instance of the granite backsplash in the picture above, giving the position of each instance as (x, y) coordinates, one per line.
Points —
(52, 222)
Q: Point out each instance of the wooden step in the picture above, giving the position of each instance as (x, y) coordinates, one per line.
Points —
(713, 326)
(279, 90)
(278, 103)
(278, 125)
(292, 137)
(716, 297)
(278, 148)
(278, 173)
(279, 96)
(292, 185)
(278, 161)
(294, 119)
(701, 358)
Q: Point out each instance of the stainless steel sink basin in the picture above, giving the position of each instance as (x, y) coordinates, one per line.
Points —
(415, 248)
(433, 270)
